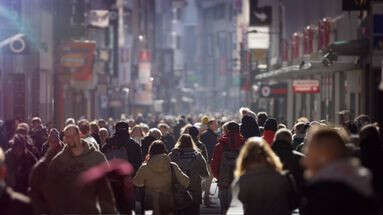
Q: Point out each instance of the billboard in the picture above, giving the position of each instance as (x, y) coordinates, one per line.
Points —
(306, 86)
(77, 57)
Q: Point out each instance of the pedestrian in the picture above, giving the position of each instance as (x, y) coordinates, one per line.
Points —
(244, 111)
(137, 134)
(23, 129)
(263, 190)
(189, 158)
(289, 157)
(19, 161)
(153, 135)
(53, 139)
(271, 127)
(85, 133)
(361, 121)
(223, 162)
(261, 118)
(167, 136)
(121, 146)
(155, 176)
(371, 152)
(300, 130)
(209, 138)
(65, 195)
(38, 133)
(249, 127)
(104, 136)
(337, 184)
(39, 175)
(194, 133)
(11, 202)
(94, 131)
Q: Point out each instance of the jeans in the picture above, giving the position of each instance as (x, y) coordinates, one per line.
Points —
(225, 197)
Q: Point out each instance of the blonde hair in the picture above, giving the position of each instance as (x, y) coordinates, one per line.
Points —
(256, 151)
(186, 141)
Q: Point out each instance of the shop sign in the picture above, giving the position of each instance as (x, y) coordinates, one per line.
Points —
(78, 57)
(306, 86)
(274, 90)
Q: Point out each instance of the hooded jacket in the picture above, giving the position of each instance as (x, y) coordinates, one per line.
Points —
(65, 194)
(38, 181)
(343, 187)
(249, 127)
(290, 159)
(155, 175)
(219, 149)
(194, 165)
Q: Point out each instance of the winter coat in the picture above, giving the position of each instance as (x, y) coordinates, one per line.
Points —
(210, 139)
(12, 203)
(269, 136)
(249, 127)
(343, 187)
(39, 136)
(65, 196)
(93, 142)
(290, 159)
(133, 155)
(193, 164)
(297, 141)
(156, 177)
(19, 169)
(169, 141)
(219, 149)
(203, 149)
(145, 144)
(264, 191)
(39, 182)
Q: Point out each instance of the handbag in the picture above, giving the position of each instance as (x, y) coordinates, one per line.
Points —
(182, 197)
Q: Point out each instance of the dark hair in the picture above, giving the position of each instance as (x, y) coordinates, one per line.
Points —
(84, 126)
(262, 117)
(185, 141)
(156, 148)
(249, 127)
(370, 146)
(271, 125)
(194, 132)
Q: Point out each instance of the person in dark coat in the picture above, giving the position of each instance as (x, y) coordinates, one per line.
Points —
(371, 152)
(261, 118)
(209, 138)
(249, 127)
(337, 184)
(121, 146)
(290, 158)
(153, 135)
(39, 174)
(19, 161)
(270, 129)
(167, 137)
(263, 189)
(11, 202)
(194, 133)
(38, 133)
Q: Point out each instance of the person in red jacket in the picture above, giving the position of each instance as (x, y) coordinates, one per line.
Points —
(223, 161)
(271, 127)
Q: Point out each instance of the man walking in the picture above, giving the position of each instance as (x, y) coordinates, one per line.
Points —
(66, 197)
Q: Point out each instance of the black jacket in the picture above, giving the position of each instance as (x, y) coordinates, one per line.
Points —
(290, 159)
(12, 203)
(134, 155)
(145, 143)
(210, 139)
(336, 198)
(169, 141)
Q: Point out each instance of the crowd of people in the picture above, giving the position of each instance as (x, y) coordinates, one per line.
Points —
(167, 165)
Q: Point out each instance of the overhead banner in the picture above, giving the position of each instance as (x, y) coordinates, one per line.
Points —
(275, 90)
(306, 86)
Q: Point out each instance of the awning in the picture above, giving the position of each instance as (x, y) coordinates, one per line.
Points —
(312, 68)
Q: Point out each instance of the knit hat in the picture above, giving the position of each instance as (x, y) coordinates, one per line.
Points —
(232, 127)
(271, 125)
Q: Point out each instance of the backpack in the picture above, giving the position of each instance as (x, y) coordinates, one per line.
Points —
(186, 162)
(116, 151)
(227, 166)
